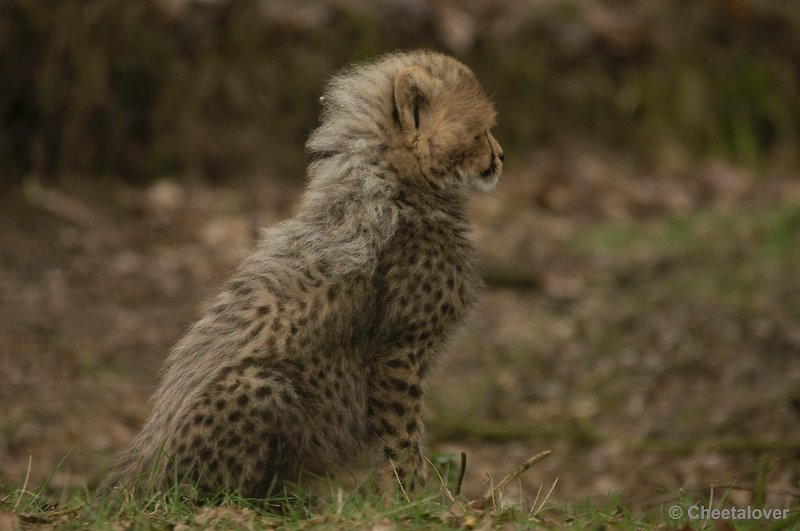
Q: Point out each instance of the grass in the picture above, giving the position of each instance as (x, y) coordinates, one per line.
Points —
(726, 257)
(360, 508)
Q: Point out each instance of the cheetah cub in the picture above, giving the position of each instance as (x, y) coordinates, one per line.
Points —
(316, 352)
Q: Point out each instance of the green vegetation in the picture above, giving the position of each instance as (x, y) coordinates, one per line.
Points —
(700, 254)
(358, 509)
(136, 90)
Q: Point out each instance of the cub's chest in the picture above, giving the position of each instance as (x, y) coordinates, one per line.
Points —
(429, 269)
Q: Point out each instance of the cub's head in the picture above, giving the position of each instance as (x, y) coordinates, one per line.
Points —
(423, 113)
(443, 120)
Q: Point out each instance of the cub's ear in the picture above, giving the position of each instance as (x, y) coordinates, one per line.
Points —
(414, 88)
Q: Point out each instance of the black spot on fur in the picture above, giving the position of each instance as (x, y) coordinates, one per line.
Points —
(263, 391)
(388, 428)
(399, 385)
(375, 404)
(255, 331)
(205, 453)
(397, 364)
(249, 361)
(223, 373)
(333, 291)
(287, 397)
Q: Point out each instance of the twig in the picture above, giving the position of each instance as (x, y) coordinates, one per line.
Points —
(710, 504)
(462, 468)
(25, 483)
(536, 500)
(339, 502)
(546, 497)
(58, 204)
(399, 482)
(441, 480)
(489, 495)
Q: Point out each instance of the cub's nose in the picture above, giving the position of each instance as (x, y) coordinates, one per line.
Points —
(502, 156)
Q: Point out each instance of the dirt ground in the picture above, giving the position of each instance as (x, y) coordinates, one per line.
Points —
(643, 325)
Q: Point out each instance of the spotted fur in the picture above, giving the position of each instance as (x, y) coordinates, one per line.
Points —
(317, 350)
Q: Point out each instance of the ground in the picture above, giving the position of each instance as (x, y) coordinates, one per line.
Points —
(643, 325)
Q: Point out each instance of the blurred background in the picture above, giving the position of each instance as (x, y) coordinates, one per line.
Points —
(642, 316)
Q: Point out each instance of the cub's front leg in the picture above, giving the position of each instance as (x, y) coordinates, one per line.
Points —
(395, 414)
